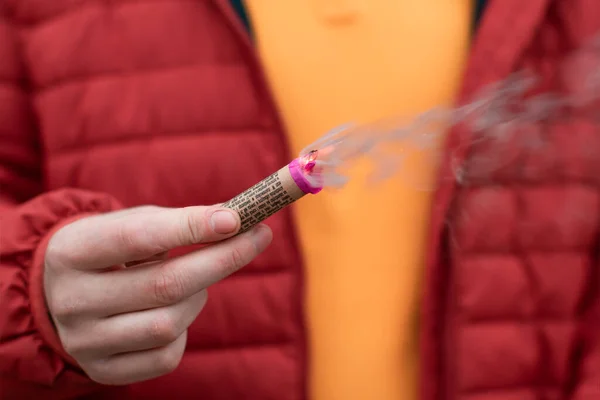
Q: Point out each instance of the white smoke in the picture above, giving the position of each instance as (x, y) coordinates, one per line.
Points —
(507, 121)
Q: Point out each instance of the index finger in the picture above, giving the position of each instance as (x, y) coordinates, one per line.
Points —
(99, 243)
(172, 281)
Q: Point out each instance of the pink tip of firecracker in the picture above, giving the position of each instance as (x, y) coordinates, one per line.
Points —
(310, 166)
(301, 169)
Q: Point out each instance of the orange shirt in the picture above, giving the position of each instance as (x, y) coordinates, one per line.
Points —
(335, 61)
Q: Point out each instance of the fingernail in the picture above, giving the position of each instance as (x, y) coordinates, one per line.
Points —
(261, 236)
(223, 222)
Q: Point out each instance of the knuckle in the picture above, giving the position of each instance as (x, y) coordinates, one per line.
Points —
(168, 286)
(137, 236)
(163, 330)
(193, 228)
(128, 236)
(168, 360)
(73, 345)
(99, 373)
(196, 304)
(60, 251)
(56, 252)
(234, 259)
(203, 299)
(64, 307)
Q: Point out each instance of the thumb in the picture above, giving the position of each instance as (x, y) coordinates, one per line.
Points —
(104, 242)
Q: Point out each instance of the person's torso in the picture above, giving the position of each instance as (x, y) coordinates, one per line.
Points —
(159, 102)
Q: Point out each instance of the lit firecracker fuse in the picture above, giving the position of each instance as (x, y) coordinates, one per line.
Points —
(277, 191)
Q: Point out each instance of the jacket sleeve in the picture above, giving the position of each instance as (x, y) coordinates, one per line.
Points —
(32, 361)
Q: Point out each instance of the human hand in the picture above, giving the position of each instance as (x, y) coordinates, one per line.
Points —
(120, 307)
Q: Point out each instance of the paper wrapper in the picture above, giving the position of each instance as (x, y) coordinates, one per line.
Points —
(270, 195)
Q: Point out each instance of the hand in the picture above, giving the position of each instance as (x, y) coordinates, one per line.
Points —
(120, 307)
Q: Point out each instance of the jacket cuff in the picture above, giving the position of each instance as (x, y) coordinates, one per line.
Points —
(35, 223)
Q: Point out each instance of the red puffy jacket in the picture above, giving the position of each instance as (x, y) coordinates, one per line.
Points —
(109, 104)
